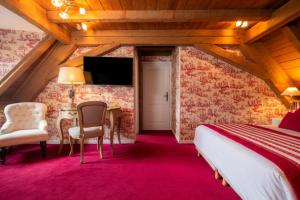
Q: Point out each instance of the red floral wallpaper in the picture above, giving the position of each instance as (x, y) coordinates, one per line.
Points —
(212, 91)
(55, 97)
(204, 90)
(14, 45)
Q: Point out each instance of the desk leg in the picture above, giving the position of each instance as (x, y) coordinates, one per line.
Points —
(60, 133)
(112, 130)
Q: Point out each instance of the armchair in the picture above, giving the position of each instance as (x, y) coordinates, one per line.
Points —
(25, 123)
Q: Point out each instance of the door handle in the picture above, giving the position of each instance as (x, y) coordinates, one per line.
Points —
(167, 96)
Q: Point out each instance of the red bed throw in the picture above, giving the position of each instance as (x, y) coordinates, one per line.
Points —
(280, 148)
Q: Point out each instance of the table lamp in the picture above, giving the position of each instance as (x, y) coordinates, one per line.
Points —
(72, 76)
(291, 92)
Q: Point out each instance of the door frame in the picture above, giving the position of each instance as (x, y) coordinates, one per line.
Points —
(140, 91)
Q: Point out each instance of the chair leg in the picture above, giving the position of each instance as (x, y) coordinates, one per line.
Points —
(81, 150)
(100, 143)
(71, 145)
(98, 140)
(3, 155)
(43, 145)
(119, 130)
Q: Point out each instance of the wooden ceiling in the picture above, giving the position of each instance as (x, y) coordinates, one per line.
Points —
(155, 5)
(169, 4)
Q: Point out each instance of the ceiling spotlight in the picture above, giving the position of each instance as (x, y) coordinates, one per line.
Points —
(84, 26)
(57, 3)
(64, 15)
(82, 11)
(245, 24)
(238, 23)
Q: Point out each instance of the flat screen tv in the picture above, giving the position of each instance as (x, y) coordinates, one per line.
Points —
(108, 71)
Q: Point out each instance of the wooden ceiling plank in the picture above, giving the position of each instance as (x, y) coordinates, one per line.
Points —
(35, 14)
(261, 55)
(26, 63)
(293, 36)
(161, 15)
(280, 17)
(38, 78)
(94, 4)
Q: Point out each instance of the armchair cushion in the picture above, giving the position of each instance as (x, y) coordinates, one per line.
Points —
(23, 137)
(22, 116)
(88, 132)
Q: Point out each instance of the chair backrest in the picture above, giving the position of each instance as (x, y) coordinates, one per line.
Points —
(91, 113)
(25, 115)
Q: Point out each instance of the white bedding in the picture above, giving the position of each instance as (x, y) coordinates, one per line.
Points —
(252, 176)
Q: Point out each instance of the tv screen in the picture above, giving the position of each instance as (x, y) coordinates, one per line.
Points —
(108, 70)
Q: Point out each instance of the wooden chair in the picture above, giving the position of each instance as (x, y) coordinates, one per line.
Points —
(91, 118)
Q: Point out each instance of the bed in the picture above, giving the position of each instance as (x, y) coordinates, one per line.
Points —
(251, 175)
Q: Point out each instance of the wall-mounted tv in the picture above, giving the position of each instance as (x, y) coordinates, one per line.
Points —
(108, 71)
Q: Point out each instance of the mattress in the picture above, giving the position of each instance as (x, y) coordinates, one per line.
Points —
(248, 173)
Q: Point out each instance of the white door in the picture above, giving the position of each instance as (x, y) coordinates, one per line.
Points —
(156, 95)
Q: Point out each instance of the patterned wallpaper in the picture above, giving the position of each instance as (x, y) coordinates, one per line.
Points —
(14, 45)
(205, 89)
(55, 97)
(212, 91)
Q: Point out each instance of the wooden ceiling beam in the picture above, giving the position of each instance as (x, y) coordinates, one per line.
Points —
(163, 15)
(278, 79)
(34, 13)
(37, 80)
(78, 61)
(155, 40)
(31, 58)
(233, 59)
(280, 17)
(161, 33)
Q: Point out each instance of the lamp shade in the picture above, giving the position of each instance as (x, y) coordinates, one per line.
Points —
(291, 91)
(71, 75)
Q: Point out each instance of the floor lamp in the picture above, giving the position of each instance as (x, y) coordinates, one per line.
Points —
(71, 76)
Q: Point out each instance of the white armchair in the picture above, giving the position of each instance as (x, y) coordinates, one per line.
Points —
(25, 123)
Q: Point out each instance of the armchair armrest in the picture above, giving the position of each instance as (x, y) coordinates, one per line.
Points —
(7, 127)
(43, 125)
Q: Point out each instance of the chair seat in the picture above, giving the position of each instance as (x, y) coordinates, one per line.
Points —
(88, 132)
(23, 137)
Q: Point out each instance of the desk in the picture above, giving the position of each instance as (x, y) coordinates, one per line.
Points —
(113, 114)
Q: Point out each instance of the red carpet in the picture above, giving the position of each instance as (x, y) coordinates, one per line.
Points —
(154, 168)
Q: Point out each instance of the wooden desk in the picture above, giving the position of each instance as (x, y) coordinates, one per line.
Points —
(113, 114)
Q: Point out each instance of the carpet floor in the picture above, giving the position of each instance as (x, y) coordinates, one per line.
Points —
(155, 168)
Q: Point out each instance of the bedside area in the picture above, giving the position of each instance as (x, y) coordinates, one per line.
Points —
(276, 121)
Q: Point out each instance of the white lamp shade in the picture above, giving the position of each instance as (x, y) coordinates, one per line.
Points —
(71, 75)
(291, 91)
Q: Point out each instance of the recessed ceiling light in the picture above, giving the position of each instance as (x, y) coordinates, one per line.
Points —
(238, 23)
(57, 3)
(82, 11)
(245, 24)
(84, 26)
(64, 15)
